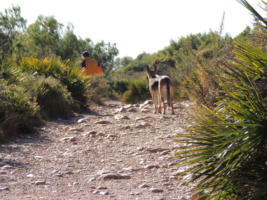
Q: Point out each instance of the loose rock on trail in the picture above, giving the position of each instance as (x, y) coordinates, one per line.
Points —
(115, 152)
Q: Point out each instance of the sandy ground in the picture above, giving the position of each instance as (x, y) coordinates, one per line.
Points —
(114, 152)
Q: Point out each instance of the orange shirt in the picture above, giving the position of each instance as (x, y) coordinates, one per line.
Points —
(92, 67)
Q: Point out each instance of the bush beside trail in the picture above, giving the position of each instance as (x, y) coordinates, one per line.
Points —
(33, 90)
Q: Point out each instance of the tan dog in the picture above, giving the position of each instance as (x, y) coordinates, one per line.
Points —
(161, 89)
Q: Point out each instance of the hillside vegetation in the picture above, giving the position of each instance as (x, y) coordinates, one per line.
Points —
(225, 147)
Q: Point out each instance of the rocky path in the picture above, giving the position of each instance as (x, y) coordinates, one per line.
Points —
(116, 152)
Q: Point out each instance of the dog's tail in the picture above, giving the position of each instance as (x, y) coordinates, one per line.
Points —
(168, 84)
(168, 93)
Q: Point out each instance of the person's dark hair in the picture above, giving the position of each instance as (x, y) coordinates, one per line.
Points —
(85, 54)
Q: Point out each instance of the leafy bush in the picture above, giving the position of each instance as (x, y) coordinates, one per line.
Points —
(137, 91)
(200, 87)
(69, 76)
(119, 86)
(78, 85)
(54, 98)
(97, 88)
(19, 112)
(47, 66)
(36, 90)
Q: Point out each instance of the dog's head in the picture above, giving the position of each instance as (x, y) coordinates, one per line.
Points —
(151, 73)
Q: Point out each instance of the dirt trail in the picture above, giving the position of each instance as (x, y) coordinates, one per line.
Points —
(116, 152)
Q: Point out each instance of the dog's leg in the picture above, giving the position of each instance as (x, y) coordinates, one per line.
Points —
(159, 101)
(164, 105)
(171, 98)
(154, 99)
(162, 97)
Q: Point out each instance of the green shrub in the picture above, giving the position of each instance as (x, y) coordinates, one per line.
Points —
(18, 110)
(137, 91)
(119, 86)
(27, 97)
(97, 88)
(53, 97)
(48, 66)
(76, 83)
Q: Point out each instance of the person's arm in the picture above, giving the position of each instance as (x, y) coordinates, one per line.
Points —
(83, 63)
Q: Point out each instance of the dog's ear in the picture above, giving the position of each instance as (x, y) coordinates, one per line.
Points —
(155, 69)
(147, 69)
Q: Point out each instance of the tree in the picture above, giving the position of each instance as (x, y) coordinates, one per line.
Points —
(69, 46)
(105, 55)
(11, 25)
(43, 37)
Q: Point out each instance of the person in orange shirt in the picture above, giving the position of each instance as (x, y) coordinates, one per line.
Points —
(89, 65)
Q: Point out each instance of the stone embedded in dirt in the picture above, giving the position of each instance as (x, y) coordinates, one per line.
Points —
(163, 153)
(140, 148)
(69, 139)
(163, 117)
(132, 110)
(76, 130)
(112, 136)
(146, 106)
(143, 125)
(128, 106)
(7, 167)
(91, 180)
(145, 110)
(129, 169)
(121, 110)
(102, 172)
(75, 183)
(90, 134)
(102, 122)
(100, 134)
(144, 185)
(40, 182)
(103, 193)
(30, 175)
(151, 166)
(115, 176)
(4, 189)
(59, 174)
(166, 184)
(101, 188)
(156, 190)
(120, 117)
(135, 193)
(39, 157)
(95, 192)
(142, 118)
(81, 121)
(69, 172)
(156, 150)
(126, 127)
(148, 102)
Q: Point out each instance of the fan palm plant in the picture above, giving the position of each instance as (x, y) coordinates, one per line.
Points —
(226, 148)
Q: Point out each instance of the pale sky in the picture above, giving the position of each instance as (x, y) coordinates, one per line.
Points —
(138, 26)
